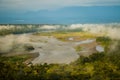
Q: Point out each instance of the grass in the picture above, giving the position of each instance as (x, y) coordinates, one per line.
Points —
(17, 58)
(63, 36)
(78, 48)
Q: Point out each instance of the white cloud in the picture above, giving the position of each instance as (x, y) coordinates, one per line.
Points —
(51, 4)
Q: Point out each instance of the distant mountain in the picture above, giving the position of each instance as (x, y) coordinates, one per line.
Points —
(66, 15)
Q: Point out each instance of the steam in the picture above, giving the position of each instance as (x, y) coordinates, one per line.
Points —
(16, 42)
(11, 43)
(49, 27)
(114, 33)
(111, 30)
(59, 51)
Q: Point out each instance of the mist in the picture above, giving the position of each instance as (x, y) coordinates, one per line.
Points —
(12, 42)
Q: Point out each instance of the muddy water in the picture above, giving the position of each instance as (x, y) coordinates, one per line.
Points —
(85, 41)
(99, 48)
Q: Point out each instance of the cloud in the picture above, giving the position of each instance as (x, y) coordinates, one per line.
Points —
(52, 4)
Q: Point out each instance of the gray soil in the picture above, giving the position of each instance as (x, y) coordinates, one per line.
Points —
(52, 50)
(49, 49)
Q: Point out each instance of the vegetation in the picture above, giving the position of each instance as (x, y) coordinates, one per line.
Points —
(104, 40)
(98, 66)
(18, 58)
(63, 36)
(17, 29)
(78, 48)
(27, 28)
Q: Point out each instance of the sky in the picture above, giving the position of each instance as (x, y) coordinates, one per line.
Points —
(59, 11)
